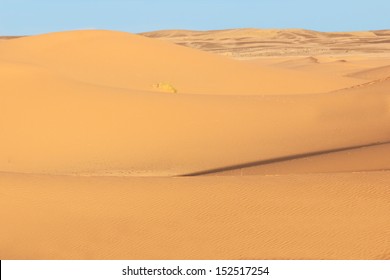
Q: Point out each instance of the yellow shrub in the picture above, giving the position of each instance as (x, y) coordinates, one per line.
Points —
(166, 87)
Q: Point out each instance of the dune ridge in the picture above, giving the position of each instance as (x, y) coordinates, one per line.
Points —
(319, 154)
(93, 57)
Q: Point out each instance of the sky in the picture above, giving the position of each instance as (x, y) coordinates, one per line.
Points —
(27, 17)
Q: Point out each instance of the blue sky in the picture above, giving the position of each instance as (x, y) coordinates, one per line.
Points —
(24, 17)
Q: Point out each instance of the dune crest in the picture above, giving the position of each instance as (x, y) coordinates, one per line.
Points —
(113, 59)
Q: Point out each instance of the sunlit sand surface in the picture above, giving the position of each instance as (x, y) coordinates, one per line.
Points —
(259, 144)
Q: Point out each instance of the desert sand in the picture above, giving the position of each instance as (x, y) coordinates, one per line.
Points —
(252, 43)
(260, 144)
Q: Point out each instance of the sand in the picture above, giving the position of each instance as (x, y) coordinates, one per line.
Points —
(321, 216)
(249, 43)
(119, 146)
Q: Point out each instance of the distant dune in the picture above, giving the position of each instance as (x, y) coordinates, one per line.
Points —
(250, 43)
(9, 37)
(120, 146)
(373, 74)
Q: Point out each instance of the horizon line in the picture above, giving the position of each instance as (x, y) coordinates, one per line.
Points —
(193, 30)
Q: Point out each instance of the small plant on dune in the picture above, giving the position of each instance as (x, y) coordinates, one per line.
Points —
(166, 87)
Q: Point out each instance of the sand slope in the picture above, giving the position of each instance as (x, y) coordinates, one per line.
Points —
(77, 123)
(116, 59)
(97, 162)
(363, 159)
(373, 74)
(340, 216)
(82, 128)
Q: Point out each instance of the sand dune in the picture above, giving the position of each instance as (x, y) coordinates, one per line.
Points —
(363, 159)
(300, 62)
(106, 136)
(127, 61)
(77, 123)
(325, 65)
(9, 37)
(252, 43)
(373, 74)
(333, 216)
(73, 127)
